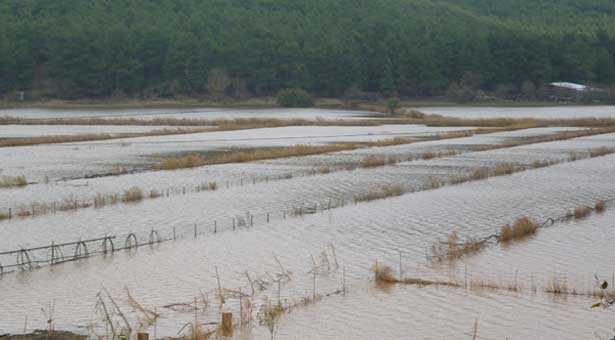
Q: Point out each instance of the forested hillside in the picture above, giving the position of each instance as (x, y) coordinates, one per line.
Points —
(411, 48)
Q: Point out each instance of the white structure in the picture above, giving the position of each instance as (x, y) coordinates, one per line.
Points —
(575, 87)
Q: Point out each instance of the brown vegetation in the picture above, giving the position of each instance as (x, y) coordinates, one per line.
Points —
(373, 161)
(13, 181)
(24, 141)
(383, 192)
(522, 228)
(452, 248)
(187, 161)
(600, 206)
(134, 194)
(582, 212)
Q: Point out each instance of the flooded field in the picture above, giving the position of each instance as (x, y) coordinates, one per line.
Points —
(187, 113)
(300, 233)
(539, 112)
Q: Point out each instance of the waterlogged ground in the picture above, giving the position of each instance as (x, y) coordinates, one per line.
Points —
(342, 242)
(78, 160)
(540, 112)
(187, 113)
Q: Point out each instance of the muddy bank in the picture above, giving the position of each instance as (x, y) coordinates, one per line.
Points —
(44, 335)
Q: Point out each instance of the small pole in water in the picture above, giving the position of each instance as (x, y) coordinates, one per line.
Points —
(314, 288)
(195, 230)
(251, 220)
(401, 275)
(173, 233)
(215, 226)
(196, 321)
(267, 217)
(155, 322)
(240, 308)
(344, 281)
(10, 213)
(279, 297)
(233, 223)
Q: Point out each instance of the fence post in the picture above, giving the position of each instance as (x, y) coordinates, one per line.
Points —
(227, 324)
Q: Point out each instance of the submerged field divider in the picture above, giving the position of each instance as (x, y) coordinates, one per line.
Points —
(99, 201)
(27, 259)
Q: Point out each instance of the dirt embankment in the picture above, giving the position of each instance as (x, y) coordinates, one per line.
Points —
(44, 335)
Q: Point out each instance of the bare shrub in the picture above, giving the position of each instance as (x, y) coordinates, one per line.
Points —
(13, 181)
(504, 169)
(600, 206)
(134, 194)
(582, 212)
(373, 161)
(188, 161)
(522, 228)
(452, 248)
(383, 274)
(384, 192)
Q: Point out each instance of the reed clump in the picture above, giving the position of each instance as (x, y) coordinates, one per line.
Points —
(13, 181)
(601, 151)
(187, 161)
(391, 142)
(134, 194)
(506, 168)
(582, 212)
(154, 194)
(557, 287)
(600, 206)
(383, 274)
(520, 229)
(452, 248)
(373, 161)
(384, 192)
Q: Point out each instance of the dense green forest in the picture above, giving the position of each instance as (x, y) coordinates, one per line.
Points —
(410, 48)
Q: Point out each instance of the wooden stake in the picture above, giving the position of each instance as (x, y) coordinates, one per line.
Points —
(227, 324)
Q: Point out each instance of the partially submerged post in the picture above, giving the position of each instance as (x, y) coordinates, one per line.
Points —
(227, 324)
(142, 336)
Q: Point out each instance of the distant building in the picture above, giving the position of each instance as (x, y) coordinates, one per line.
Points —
(575, 87)
(572, 92)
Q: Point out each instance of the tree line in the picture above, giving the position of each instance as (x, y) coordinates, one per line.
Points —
(237, 48)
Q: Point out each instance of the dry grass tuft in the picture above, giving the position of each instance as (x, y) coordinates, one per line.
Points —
(602, 151)
(373, 161)
(428, 155)
(452, 248)
(384, 192)
(391, 142)
(188, 161)
(13, 181)
(522, 228)
(154, 194)
(582, 212)
(479, 174)
(600, 206)
(505, 169)
(557, 287)
(383, 274)
(134, 194)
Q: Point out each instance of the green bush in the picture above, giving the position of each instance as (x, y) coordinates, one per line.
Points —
(295, 98)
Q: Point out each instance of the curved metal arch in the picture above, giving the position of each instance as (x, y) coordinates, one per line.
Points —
(81, 250)
(128, 244)
(106, 243)
(154, 237)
